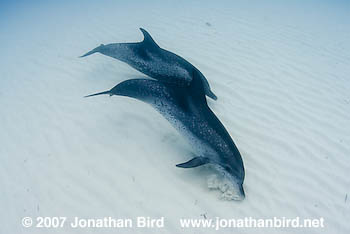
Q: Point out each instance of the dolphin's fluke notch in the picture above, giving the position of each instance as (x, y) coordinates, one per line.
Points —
(100, 93)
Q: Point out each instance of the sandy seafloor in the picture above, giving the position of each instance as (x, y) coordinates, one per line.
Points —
(281, 72)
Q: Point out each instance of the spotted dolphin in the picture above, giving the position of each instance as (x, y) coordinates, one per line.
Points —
(147, 57)
(186, 108)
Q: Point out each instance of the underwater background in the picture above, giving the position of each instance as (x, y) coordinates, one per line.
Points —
(280, 70)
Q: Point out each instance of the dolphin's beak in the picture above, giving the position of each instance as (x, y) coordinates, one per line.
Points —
(90, 52)
(95, 94)
(97, 49)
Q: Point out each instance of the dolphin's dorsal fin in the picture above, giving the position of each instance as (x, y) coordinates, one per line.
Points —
(148, 40)
(194, 162)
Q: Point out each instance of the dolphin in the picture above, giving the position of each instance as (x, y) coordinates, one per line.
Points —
(186, 108)
(147, 57)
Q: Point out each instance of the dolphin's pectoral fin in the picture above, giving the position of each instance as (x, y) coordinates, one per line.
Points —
(194, 162)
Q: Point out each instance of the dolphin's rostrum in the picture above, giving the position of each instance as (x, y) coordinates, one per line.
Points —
(147, 57)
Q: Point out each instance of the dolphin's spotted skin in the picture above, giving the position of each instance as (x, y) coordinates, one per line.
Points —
(147, 57)
(185, 107)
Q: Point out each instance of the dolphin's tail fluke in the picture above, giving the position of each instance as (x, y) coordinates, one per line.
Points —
(95, 94)
(97, 49)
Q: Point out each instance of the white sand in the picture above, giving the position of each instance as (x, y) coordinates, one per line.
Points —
(281, 73)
